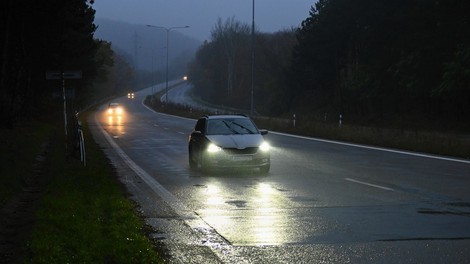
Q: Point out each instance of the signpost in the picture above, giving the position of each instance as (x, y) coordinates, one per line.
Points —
(58, 75)
(62, 75)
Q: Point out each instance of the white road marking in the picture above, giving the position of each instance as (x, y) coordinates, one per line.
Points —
(370, 184)
(174, 202)
(346, 144)
(188, 216)
(376, 148)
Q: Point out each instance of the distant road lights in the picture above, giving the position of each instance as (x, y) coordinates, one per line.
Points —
(167, 48)
(185, 78)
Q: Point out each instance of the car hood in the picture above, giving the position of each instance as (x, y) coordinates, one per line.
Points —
(241, 141)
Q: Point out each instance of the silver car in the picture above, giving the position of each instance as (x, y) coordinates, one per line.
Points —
(228, 141)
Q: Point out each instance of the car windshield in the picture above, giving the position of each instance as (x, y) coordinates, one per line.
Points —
(230, 126)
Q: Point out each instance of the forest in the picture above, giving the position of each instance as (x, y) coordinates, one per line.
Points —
(376, 62)
(48, 36)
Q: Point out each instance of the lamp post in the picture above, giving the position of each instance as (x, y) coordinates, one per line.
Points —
(252, 60)
(167, 48)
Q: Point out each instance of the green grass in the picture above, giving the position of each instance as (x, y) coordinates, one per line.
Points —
(85, 215)
(448, 144)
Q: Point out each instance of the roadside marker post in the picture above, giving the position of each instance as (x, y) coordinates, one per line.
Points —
(62, 75)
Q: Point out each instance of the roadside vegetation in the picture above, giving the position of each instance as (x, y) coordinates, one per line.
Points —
(390, 64)
(83, 214)
(397, 71)
(418, 140)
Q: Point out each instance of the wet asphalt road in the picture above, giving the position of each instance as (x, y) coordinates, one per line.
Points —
(322, 202)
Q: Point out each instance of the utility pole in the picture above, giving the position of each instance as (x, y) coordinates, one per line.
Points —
(252, 61)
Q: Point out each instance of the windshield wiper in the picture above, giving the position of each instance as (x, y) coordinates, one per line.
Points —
(242, 126)
(229, 127)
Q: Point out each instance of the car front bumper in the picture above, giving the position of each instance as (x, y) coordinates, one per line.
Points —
(222, 160)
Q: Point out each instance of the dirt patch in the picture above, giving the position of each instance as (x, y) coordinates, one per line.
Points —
(18, 215)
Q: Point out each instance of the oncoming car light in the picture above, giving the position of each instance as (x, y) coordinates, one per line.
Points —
(212, 148)
(264, 146)
(115, 111)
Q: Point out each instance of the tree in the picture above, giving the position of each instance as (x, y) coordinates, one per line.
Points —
(37, 37)
(379, 60)
(221, 70)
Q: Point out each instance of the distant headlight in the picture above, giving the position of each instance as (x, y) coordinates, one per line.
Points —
(264, 146)
(212, 148)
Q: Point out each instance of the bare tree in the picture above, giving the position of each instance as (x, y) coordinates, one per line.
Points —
(232, 37)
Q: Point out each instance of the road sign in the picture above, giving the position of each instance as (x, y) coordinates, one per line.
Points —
(58, 75)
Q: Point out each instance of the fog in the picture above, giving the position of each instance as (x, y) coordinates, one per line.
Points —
(201, 15)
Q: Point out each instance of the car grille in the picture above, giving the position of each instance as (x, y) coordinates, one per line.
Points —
(233, 151)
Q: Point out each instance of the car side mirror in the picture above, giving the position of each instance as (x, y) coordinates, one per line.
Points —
(197, 133)
(263, 132)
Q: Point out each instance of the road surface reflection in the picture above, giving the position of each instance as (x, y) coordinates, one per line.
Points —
(114, 123)
(255, 221)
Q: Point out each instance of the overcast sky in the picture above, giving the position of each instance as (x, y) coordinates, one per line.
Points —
(201, 15)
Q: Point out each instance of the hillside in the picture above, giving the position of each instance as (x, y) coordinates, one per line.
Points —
(141, 43)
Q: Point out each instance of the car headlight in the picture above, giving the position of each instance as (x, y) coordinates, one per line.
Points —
(119, 111)
(264, 146)
(212, 148)
(110, 111)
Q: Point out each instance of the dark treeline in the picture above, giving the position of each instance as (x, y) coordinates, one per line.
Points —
(221, 71)
(373, 61)
(386, 60)
(41, 36)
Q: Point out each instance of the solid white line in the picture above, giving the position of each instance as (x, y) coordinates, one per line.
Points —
(370, 184)
(347, 144)
(189, 217)
(376, 148)
(174, 203)
(180, 117)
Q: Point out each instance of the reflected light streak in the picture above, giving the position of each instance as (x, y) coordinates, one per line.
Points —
(212, 193)
(265, 220)
(115, 124)
(261, 223)
(214, 213)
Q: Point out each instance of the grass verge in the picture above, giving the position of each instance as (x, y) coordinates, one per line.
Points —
(85, 216)
(447, 144)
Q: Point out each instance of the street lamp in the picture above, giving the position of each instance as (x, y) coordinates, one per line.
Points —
(167, 48)
(252, 60)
